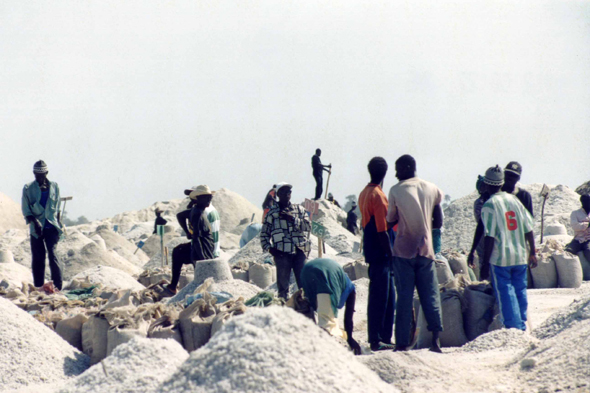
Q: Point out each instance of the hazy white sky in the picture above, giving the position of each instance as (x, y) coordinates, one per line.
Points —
(129, 102)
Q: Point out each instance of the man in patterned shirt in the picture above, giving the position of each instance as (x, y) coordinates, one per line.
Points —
(508, 226)
(285, 234)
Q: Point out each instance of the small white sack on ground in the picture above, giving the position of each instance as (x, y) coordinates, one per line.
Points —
(70, 329)
(545, 274)
(453, 334)
(218, 269)
(118, 335)
(196, 321)
(95, 338)
(569, 270)
(261, 274)
(478, 303)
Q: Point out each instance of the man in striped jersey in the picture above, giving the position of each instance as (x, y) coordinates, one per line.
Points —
(508, 227)
(181, 255)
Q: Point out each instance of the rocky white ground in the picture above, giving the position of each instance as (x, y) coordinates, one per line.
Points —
(272, 349)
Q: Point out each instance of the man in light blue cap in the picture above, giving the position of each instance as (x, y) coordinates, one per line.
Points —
(41, 208)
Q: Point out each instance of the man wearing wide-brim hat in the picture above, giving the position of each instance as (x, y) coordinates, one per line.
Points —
(183, 253)
(41, 208)
(285, 234)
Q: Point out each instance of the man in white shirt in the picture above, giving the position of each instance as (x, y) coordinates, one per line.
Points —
(580, 220)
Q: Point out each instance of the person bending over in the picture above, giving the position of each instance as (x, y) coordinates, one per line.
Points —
(328, 289)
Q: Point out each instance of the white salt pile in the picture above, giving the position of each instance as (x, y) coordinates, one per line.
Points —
(123, 247)
(459, 225)
(32, 353)
(11, 216)
(561, 361)
(14, 273)
(108, 277)
(137, 366)
(272, 350)
(156, 258)
(504, 339)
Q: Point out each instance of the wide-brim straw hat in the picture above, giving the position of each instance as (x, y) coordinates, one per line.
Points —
(201, 190)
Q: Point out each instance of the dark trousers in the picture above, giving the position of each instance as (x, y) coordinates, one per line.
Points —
(39, 246)
(285, 263)
(575, 247)
(181, 255)
(381, 303)
(417, 272)
(319, 185)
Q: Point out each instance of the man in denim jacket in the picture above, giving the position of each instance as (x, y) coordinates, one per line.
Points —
(41, 208)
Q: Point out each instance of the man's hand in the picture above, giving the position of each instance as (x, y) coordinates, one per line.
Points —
(287, 216)
(533, 261)
(272, 251)
(471, 260)
(356, 348)
(38, 228)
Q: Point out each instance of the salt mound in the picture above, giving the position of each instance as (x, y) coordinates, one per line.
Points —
(561, 361)
(233, 209)
(152, 245)
(15, 274)
(460, 224)
(32, 353)
(503, 339)
(270, 350)
(109, 277)
(156, 259)
(237, 288)
(251, 253)
(401, 367)
(577, 313)
(130, 368)
(11, 216)
(92, 255)
(123, 247)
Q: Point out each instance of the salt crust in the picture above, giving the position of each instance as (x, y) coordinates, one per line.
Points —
(109, 277)
(273, 349)
(33, 353)
(137, 366)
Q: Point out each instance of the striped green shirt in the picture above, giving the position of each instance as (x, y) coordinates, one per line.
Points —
(506, 220)
(214, 220)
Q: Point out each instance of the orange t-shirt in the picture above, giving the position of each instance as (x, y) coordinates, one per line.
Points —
(373, 203)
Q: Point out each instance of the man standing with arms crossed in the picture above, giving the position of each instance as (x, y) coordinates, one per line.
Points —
(40, 206)
(377, 243)
(508, 227)
(414, 204)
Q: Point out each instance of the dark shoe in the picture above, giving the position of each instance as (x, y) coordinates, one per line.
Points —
(401, 348)
(168, 292)
(381, 346)
(435, 346)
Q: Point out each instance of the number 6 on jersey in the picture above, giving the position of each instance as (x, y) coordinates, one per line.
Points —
(511, 221)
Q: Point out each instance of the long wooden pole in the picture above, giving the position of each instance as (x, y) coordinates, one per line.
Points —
(327, 184)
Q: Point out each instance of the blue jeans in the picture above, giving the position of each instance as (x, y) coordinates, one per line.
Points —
(381, 303)
(510, 283)
(417, 272)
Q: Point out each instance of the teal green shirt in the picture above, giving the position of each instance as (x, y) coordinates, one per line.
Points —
(31, 205)
(324, 275)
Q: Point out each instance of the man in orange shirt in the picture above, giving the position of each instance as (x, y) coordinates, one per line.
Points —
(377, 246)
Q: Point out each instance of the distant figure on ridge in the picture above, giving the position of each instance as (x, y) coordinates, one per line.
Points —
(41, 208)
(414, 204)
(159, 220)
(508, 227)
(318, 172)
(204, 242)
(331, 199)
(352, 219)
(285, 234)
(580, 221)
(378, 240)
